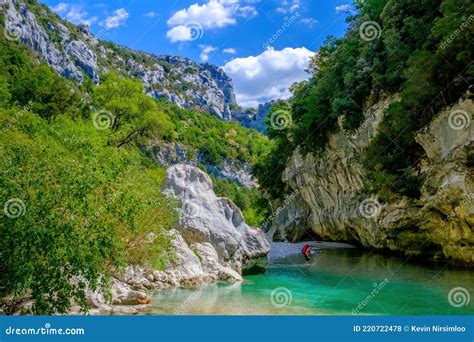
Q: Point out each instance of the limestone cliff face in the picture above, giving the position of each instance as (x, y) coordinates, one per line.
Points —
(75, 53)
(438, 225)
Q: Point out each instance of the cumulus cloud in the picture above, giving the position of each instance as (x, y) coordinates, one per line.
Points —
(151, 14)
(117, 19)
(343, 8)
(211, 15)
(74, 13)
(60, 8)
(268, 76)
(310, 22)
(205, 51)
(229, 51)
(289, 6)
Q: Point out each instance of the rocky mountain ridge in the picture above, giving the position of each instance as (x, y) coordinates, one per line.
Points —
(75, 53)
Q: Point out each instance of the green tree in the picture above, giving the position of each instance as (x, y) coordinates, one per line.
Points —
(134, 114)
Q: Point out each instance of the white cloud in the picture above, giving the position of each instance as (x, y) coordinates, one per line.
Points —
(310, 22)
(289, 6)
(213, 14)
(343, 8)
(184, 33)
(151, 14)
(74, 13)
(205, 51)
(268, 76)
(117, 19)
(248, 12)
(60, 8)
(229, 51)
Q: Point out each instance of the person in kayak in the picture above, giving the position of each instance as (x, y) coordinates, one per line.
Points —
(306, 251)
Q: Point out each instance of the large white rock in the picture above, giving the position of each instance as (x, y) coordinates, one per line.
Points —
(207, 221)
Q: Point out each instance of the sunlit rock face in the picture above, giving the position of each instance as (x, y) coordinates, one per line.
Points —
(439, 225)
(212, 226)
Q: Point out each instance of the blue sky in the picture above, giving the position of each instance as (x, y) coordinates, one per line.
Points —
(264, 45)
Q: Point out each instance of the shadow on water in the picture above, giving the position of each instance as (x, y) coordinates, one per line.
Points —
(338, 281)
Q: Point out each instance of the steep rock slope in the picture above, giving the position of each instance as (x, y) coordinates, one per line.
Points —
(75, 53)
(211, 243)
(211, 224)
(330, 190)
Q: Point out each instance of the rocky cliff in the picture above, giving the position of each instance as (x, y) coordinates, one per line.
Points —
(329, 201)
(169, 154)
(75, 53)
(211, 243)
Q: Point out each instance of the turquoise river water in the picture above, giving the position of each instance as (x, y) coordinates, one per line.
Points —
(338, 281)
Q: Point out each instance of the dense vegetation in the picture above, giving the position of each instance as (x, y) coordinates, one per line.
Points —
(421, 50)
(80, 197)
(76, 205)
(254, 206)
(213, 138)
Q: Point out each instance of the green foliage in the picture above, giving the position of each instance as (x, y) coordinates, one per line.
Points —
(133, 114)
(48, 94)
(85, 207)
(88, 208)
(214, 138)
(254, 206)
(424, 53)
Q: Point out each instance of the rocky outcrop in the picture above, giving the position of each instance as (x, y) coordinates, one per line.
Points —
(73, 52)
(168, 154)
(438, 225)
(211, 243)
(254, 119)
(212, 226)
